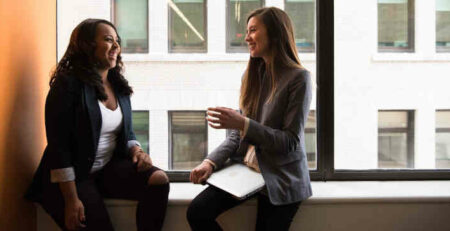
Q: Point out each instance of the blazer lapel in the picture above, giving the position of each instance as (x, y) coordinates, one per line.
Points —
(94, 113)
(125, 112)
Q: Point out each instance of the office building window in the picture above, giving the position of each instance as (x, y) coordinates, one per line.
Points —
(188, 139)
(443, 139)
(396, 139)
(302, 14)
(141, 128)
(187, 26)
(131, 19)
(310, 139)
(443, 25)
(395, 25)
(237, 13)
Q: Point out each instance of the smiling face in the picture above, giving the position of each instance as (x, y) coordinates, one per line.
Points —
(257, 39)
(107, 46)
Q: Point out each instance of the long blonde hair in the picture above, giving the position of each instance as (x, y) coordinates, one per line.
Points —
(283, 55)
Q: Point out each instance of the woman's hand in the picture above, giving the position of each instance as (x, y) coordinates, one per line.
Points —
(201, 173)
(223, 117)
(143, 160)
(74, 214)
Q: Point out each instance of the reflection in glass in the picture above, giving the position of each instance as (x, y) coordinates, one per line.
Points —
(189, 139)
(141, 127)
(131, 19)
(394, 25)
(443, 25)
(302, 14)
(443, 139)
(187, 21)
(310, 139)
(238, 11)
(395, 139)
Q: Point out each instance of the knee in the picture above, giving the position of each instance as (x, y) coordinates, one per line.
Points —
(196, 212)
(158, 178)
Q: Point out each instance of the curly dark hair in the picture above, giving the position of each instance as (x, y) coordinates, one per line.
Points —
(79, 61)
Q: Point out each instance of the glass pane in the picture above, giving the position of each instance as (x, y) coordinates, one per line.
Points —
(189, 139)
(443, 25)
(238, 11)
(302, 14)
(310, 139)
(392, 119)
(141, 127)
(393, 25)
(443, 139)
(392, 150)
(187, 26)
(131, 20)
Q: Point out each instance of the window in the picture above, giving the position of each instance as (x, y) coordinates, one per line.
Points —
(395, 139)
(188, 139)
(237, 13)
(131, 19)
(187, 26)
(395, 25)
(140, 127)
(443, 25)
(310, 139)
(302, 14)
(443, 139)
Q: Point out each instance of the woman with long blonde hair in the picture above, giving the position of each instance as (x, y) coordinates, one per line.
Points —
(269, 134)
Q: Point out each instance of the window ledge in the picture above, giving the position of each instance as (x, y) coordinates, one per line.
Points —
(342, 192)
(199, 57)
(411, 57)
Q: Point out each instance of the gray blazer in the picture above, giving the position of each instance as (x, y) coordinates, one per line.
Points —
(278, 136)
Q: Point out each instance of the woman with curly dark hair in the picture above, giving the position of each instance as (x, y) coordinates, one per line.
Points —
(92, 151)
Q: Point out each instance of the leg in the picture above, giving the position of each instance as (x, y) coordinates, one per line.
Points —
(274, 217)
(97, 217)
(120, 179)
(207, 206)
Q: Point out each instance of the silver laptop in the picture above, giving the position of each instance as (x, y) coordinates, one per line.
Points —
(238, 180)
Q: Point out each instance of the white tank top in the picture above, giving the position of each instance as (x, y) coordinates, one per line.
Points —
(111, 125)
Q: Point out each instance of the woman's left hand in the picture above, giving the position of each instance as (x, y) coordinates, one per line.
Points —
(143, 160)
(223, 117)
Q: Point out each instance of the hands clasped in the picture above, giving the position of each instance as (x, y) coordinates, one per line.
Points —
(143, 160)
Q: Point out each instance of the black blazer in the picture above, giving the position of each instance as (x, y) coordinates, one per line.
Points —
(73, 123)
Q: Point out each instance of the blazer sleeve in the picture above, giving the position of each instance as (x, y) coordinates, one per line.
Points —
(59, 122)
(285, 140)
(131, 137)
(221, 154)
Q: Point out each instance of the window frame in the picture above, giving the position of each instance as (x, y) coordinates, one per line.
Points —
(173, 174)
(325, 170)
(147, 23)
(230, 49)
(204, 49)
(411, 33)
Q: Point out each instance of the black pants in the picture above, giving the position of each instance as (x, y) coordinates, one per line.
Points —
(210, 203)
(118, 179)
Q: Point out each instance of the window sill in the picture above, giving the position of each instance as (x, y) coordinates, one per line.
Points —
(199, 57)
(342, 192)
(411, 57)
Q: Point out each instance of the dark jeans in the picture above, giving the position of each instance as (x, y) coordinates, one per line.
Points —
(210, 203)
(118, 179)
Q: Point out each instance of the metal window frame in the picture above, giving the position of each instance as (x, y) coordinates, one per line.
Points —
(230, 49)
(113, 21)
(183, 49)
(411, 33)
(180, 175)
